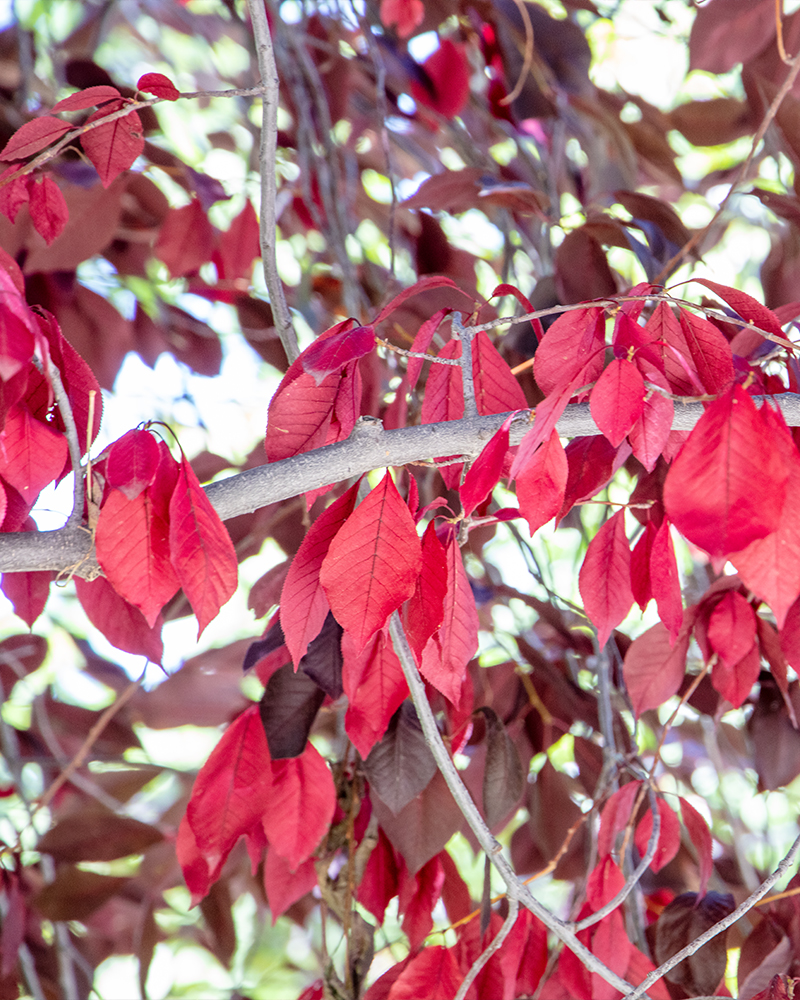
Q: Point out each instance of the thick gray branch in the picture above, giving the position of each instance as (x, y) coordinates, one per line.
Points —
(368, 447)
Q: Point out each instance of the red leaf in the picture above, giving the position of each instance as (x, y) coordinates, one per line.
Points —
(615, 816)
(112, 148)
(541, 483)
(604, 882)
(375, 686)
(446, 655)
(664, 579)
(238, 247)
(612, 946)
(373, 563)
(709, 352)
(591, 461)
(195, 869)
(324, 357)
(33, 137)
(700, 836)
(732, 628)
(132, 463)
(669, 837)
(746, 306)
(424, 612)
(547, 416)
(485, 471)
(133, 551)
(732, 635)
(121, 623)
(770, 566)
(669, 345)
(422, 343)
(649, 434)
(708, 493)
(13, 194)
(605, 577)
(444, 393)
(617, 400)
(406, 14)
(28, 593)
(433, 974)
(654, 669)
(301, 411)
(283, 886)
(88, 98)
(200, 548)
(641, 585)
(31, 454)
(417, 897)
(300, 804)
(424, 284)
(304, 605)
(186, 239)
(78, 378)
(379, 883)
(572, 348)
(496, 389)
(16, 328)
(48, 208)
(447, 70)
(734, 681)
(160, 85)
(231, 790)
(790, 636)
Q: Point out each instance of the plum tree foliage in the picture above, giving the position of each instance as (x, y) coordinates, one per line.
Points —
(512, 711)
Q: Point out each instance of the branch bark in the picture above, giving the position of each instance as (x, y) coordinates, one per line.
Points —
(369, 447)
(515, 889)
(269, 187)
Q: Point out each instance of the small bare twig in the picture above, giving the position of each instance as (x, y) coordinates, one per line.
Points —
(700, 234)
(51, 373)
(633, 879)
(465, 335)
(269, 185)
(718, 928)
(85, 748)
(516, 890)
(493, 946)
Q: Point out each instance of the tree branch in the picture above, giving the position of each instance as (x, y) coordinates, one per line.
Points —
(515, 890)
(718, 928)
(70, 548)
(71, 432)
(493, 946)
(269, 185)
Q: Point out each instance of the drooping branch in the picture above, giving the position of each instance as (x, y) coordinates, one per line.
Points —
(368, 447)
(515, 889)
(718, 928)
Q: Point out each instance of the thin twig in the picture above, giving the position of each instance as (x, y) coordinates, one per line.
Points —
(527, 57)
(700, 234)
(515, 888)
(73, 444)
(83, 752)
(269, 185)
(465, 335)
(493, 946)
(718, 928)
(633, 879)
